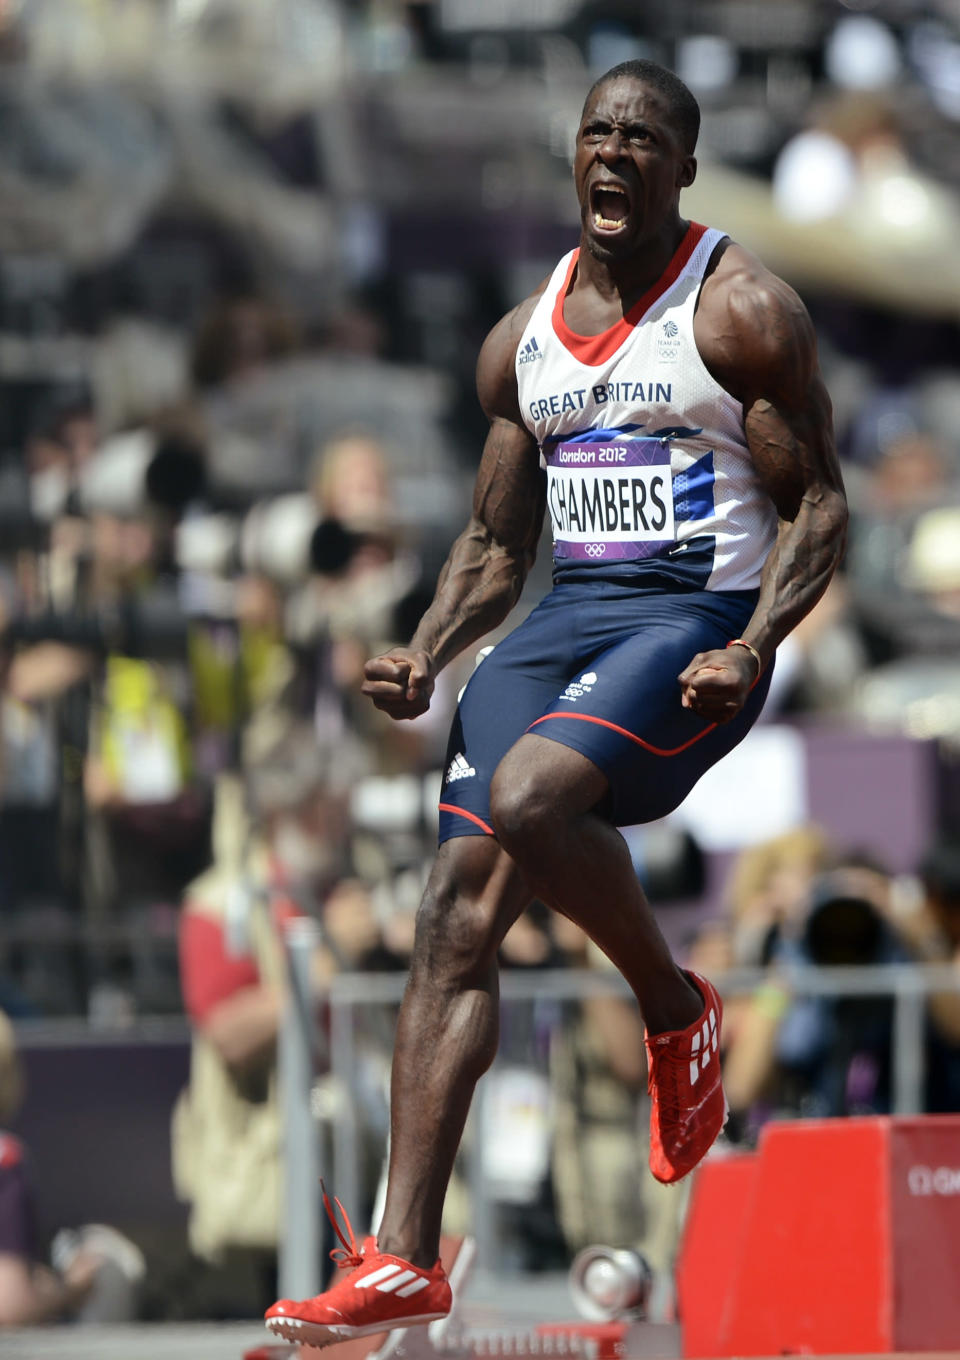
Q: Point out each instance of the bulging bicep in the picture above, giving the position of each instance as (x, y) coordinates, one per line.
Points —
(772, 366)
(510, 493)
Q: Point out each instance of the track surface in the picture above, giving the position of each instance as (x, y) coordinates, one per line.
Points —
(229, 1341)
(490, 1304)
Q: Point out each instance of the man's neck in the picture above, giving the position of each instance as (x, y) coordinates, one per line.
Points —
(627, 280)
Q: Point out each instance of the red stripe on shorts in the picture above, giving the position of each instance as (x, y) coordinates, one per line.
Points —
(470, 816)
(602, 722)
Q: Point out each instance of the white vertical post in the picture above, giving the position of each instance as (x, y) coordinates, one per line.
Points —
(909, 1052)
(299, 1256)
(484, 1209)
(346, 1128)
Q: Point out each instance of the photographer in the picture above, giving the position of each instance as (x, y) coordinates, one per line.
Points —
(819, 1056)
(98, 727)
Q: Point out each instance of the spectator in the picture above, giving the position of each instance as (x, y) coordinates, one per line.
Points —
(933, 565)
(61, 444)
(768, 889)
(226, 1126)
(351, 483)
(362, 572)
(366, 581)
(853, 137)
(820, 1056)
(237, 337)
(824, 657)
(900, 551)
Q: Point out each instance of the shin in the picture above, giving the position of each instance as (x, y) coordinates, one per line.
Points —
(446, 1034)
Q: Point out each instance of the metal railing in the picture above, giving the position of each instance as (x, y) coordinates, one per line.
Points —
(352, 998)
(299, 1248)
(352, 994)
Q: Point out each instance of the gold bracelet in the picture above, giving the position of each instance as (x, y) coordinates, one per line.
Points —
(742, 642)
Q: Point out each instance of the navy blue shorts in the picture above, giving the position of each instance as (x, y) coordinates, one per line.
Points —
(595, 667)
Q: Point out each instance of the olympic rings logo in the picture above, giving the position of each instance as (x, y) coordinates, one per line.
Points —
(595, 549)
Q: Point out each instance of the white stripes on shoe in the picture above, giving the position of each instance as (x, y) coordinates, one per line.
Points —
(708, 1037)
(390, 1279)
(418, 1284)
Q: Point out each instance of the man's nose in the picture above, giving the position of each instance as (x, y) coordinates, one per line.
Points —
(612, 147)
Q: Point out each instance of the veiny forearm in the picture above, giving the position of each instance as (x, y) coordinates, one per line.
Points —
(479, 585)
(798, 570)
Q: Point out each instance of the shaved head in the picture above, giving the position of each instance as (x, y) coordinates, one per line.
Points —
(684, 109)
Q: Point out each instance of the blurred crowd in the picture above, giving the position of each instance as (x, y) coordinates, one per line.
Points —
(239, 312)
(223, 485)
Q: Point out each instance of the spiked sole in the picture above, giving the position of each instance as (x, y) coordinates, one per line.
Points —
(318, 1334)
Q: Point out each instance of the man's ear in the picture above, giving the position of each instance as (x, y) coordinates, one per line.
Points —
(687, 172)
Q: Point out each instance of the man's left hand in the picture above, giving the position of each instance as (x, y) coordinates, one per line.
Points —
(715, 685)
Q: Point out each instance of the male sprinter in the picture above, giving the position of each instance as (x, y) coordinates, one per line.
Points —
(661, 394)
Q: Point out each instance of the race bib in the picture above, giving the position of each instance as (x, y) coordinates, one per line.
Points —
(610, 501)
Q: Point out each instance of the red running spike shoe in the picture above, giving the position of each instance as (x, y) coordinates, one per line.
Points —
(688, 1107)
(380, 1293)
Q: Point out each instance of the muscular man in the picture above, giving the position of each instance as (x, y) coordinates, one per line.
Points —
(660, 394)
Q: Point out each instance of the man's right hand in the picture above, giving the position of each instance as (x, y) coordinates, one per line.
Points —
(400, 682)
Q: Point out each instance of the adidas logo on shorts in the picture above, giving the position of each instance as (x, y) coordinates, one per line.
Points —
(459, 769)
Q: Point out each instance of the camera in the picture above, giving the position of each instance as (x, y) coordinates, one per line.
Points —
(843, 927)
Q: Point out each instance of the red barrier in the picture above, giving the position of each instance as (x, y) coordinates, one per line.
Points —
(712, 1249)
(836, 1237)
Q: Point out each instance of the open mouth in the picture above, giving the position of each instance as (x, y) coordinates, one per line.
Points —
(609, 207)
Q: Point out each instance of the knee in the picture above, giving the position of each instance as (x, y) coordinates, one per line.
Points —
(520, 809)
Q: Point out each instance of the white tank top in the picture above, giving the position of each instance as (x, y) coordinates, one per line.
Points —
(649, 475)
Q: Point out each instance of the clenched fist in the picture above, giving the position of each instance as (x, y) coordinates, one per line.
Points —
(400, 682)
(715, 685)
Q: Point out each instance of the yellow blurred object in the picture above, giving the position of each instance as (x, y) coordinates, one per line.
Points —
(143, 737)
(11, 1076)
(933, 563)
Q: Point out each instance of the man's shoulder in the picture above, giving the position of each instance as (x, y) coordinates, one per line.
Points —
(739, 280)
(751, 320)
(505, 336)
(496, 366)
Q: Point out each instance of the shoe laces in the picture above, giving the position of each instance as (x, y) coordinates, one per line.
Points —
(664, 1081)
(347, 1255)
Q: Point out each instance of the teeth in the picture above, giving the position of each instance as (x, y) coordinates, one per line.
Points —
(606, 222)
